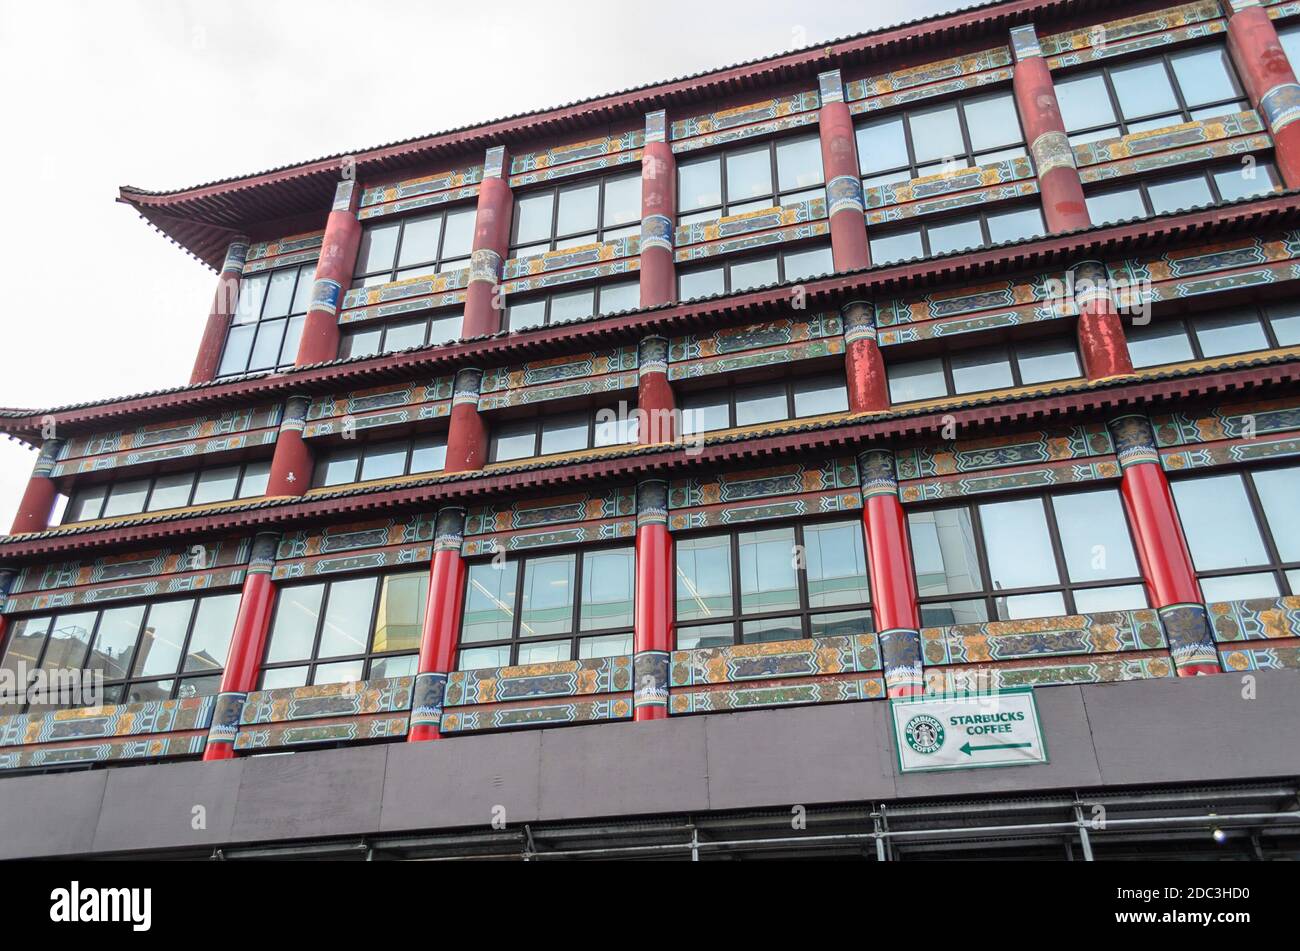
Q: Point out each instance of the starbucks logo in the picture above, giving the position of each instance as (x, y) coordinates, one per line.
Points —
(924, 734)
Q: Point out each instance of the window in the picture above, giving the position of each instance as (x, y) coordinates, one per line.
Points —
(977, 131)
(556, 433)
(171, 490)
(1159, 196)
(772, 584)
(958, 233)
(572, 304)
(1042, 556)
(356, 628)
(1149, 93)
(1205, 336)
(1243, 529)
(390, 337)
(750, 177)
(154, 651)
(344, 465)
(569, 216)
(750, 404)
(267, 324)
(984, 368)
(548, 607)
(741, 275)
(1290, 38)
(415, 247)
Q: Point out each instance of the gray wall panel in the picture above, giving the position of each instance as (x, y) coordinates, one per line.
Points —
(153, 806)
(50, 815)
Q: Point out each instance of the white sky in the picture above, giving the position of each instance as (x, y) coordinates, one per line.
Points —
(169, 93)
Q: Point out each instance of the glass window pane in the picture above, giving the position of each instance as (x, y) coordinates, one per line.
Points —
(238, 344)
(548, 597)
(1190, 191)
(947, 613)
(429, 454)
(1204, 75)
(126, 498)
(955, 236)
(749, 174)
(1293, 579)
(526, 314)
(607, 645)
(1017, 224)
(813, 262)
(1094, 536)
(458, 233)
(768, 581)
(547, 652)
(279, 293)
(404, 335)
(1084, 102)
(771, 629)
(1143, 89)
(608, 583)
(761, 404)
(445, 329)
(977, 370)
(164, 638)
(820, 394)
(699, 184)
(1115, 204)
(1279, 494)
(1218, 522)
(567, 433)
(142, 693)
(256, 477)
(615, 298)
(292, 337)
(1234, 332)
(1239, 587)
(573, 305)
(916, 380)
(1245, 181)
(266, 349)
(484, 657)
(302, 292)
(213, 627)
(837, 564)
(284, 677)
(363, 344)
(383, 461)
(349, 671)
(578, 208)
(489, 601)
(348, 613)
(1018, 545)
(703, 578)
(702, 283)
(293, 630)
(248, 305)
(943, 550)
(420, 240)
(749, 274)
(900, 246)
(115, 640)
(171, 491)
(798, 163)
(533, 217)
(840, 624)
(340, 467)
(612, 430)
(622, 200)
(514, 441)
(1285, 319)
(401, 612)
(705, 635)
(992, 121)
(936, 134)
(1125, 597)
(1020, 606)
(881, 145)
(86, 504)
(378, 247)
(1047, 360)
(404, 665)
(705, 412)
(1158, 344)
(69, 638)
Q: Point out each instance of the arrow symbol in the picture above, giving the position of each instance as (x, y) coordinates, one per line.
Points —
(969, 750)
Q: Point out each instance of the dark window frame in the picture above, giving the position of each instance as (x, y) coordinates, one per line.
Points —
(723, 208)
(1012, 348)
(538, 423)
(1207, 171)
(374, 442)
(549, 296)
(243, 468)
(283, 360)
(923, 224)
(350, 334)
(556, 189)
(440, 264)
(734, 388)
(727, 262)
(1188, 323)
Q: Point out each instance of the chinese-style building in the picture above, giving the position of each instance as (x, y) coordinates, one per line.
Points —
(599, 481)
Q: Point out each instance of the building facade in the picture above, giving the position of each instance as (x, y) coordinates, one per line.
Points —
(594, 481)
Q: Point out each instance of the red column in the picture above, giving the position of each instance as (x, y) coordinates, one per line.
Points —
(844, 203)
(467, 434)
(442, 620)
(1270, 81)
(1102, 344)
(291, 466)
(893, 580)
(38, 500)
(655, 599)
(1040, 115)
(863, 364)
(334, 270)
(213, 341)
(658, 214)
(247, 645)
(654, 394)
(492, 221)
(1162, 548)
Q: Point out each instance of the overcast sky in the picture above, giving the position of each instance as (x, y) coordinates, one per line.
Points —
(169, 93)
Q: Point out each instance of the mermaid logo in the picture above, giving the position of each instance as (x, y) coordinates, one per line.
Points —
(924, 734)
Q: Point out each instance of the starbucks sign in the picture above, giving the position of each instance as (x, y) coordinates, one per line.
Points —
(967, 732)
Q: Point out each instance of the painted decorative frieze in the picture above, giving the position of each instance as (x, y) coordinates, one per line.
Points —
(1100, 633)
(777, 693)
(815, 657)
(1153, 149)
(790, 490)
(584, 374)
(1049, 672)
(1146, 31)
(579, 158)
(583, 256)
(553, 713)
(756, 241)
(622, 258)
(375, 544)
(1262, 619)
(943, 78)
(427, 191)
(767, 117)
(315, 732)
(568, 678)
(1229, 435)
(416, 295)
(751, 222)
(378, 407)
(754, 345)
(542, 523)
(283, 252)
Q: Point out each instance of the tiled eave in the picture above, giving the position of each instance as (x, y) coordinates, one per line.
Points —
(202, 218)
(1228, 221)
(974, 416)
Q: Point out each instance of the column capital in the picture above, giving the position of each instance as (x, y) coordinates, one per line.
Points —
(877, 472)
(1135, 440)
(266, 546)
(7, 578)
(859, 319)
(466, 387)
(347, 196)
(656, 126)
(651, 502)
(1024, 43)
(449, 529)
(294, 418)
(830, 85)
(494, 162)
(652, 355)
(47, 458)
(236, 256)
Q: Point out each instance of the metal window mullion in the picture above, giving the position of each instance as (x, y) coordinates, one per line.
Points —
(1058, 552)
(521, 578)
